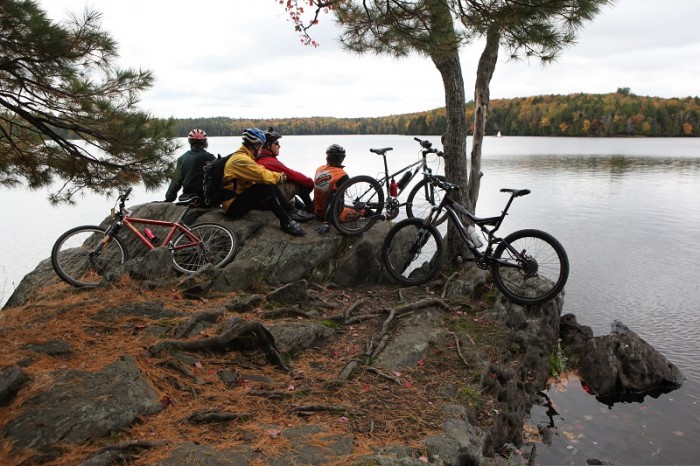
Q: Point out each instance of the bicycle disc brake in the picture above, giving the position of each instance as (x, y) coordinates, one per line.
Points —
(392, 208)
(530, 266)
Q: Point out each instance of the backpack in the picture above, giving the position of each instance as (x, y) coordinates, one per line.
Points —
(213, 181)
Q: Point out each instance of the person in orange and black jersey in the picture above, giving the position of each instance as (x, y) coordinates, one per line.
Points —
(297, 183)
(189, 173)
(247, 184)
(327, 179)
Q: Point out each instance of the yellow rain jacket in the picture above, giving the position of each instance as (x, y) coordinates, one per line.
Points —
(242, 171)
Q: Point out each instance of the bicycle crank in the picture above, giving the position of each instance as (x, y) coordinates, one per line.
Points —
(392, 208)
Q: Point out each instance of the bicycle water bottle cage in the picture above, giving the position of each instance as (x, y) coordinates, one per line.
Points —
(381, 151)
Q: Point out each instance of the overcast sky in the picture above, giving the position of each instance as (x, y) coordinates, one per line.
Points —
(242, 58)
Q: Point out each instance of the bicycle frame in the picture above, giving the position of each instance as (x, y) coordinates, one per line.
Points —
(123, 219)
(386, 180)
(454, 208)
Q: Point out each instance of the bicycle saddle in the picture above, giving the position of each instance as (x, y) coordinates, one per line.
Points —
(516, 192)
(381, 151)
(188, 199)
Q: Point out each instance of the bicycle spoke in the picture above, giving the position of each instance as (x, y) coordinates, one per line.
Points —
(423, 198)
(357, 205)
(217, 246)
(412, 252)
(83, 256)
(536, 272)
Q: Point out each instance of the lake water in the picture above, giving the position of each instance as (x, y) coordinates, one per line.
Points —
(626, 210)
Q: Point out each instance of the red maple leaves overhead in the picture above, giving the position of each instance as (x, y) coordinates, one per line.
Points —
(296, 12)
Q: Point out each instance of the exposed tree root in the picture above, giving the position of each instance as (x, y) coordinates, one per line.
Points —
(236, 333)
(184, 329)
(286, 312)
(390, 378)
(306, 410)
(355, 306)
(122, 453)
(207, 417)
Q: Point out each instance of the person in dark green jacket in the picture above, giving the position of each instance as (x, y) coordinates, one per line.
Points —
(189, 174)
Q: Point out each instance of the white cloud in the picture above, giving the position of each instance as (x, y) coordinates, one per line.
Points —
(227, 58)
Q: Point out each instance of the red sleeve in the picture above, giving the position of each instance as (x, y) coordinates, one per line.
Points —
(273, 164)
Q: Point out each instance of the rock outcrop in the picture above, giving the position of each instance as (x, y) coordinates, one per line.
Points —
(300, 351)
(620, 366)
(267, 254)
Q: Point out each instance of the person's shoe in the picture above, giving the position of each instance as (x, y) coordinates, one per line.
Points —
(301, 215)
(294, 228)
(298, 203)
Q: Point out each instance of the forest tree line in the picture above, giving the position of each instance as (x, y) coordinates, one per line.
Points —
(616, 114)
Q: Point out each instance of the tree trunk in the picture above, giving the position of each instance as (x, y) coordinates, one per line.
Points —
(444, 52)
(455, 138)
(484, 73)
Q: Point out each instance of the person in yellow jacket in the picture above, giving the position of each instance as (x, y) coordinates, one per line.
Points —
(248, 184)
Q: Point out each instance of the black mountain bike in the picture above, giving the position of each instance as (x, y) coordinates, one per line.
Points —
(359, 203)
(528, 266)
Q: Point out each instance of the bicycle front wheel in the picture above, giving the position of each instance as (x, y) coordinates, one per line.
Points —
(412, 252)
(531, 267)
(357, 205)
(422, 198)
(83, 255)
(217, 246)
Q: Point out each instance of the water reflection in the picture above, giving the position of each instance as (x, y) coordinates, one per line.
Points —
(570, 426)
(615, 165)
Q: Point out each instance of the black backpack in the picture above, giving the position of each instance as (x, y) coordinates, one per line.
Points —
(213, 180)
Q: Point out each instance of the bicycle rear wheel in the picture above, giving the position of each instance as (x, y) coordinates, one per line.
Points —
(83, 255)
(357, 205)
(218, 247)
(412, 252)
(422, 198)
(534, 271)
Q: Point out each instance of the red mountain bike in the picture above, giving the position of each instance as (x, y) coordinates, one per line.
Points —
(83, 255)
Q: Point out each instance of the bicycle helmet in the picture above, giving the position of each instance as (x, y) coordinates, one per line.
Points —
(335, 154)
(271, 136)
(197, 137)
(253, 137)
(197, 134)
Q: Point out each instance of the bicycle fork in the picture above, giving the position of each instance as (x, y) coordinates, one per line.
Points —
(423, 236)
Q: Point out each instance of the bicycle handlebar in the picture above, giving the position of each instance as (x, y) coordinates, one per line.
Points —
(428, 147)
(124, 195)
(443, 184)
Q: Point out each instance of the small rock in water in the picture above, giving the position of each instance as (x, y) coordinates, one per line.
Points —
(618, 327)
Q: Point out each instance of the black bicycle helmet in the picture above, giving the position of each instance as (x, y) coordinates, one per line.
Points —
(271, 136)
(335, 154)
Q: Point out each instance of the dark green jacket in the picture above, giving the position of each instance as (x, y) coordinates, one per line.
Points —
(189, 174)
